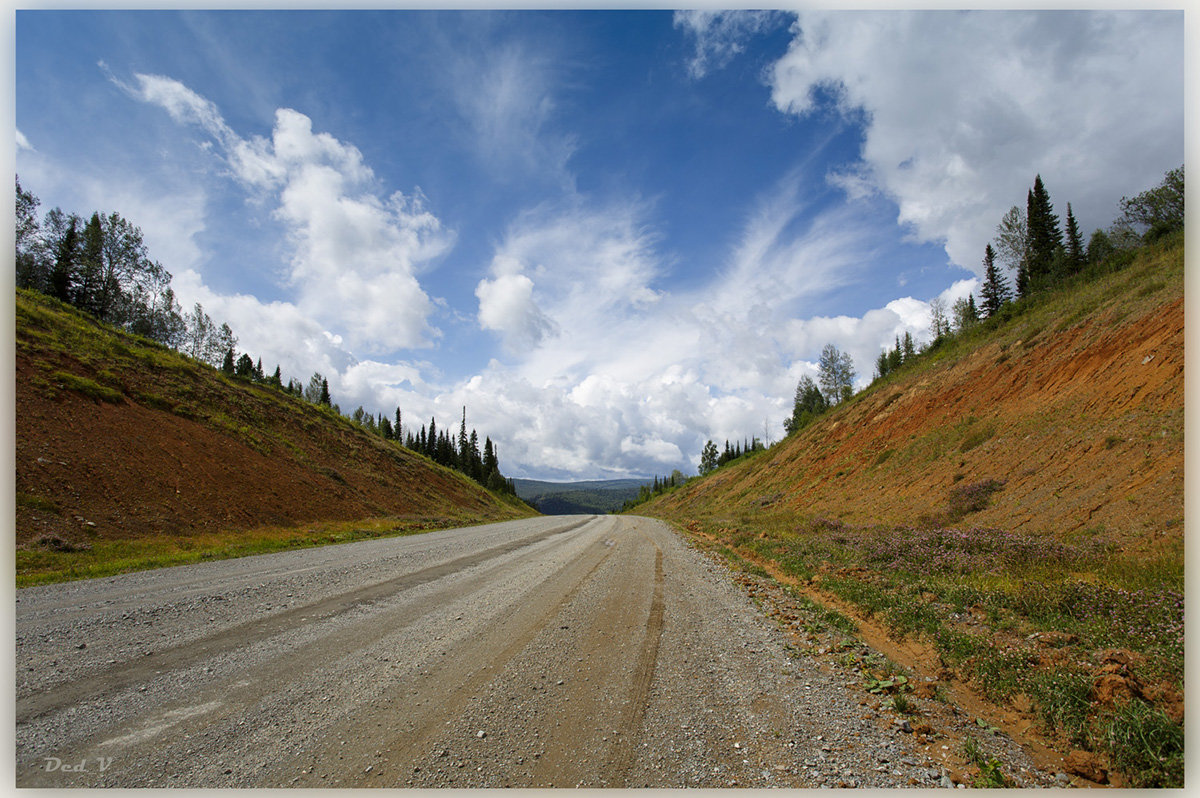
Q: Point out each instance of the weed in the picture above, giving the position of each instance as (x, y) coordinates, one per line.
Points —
(976, 438)
(990, 773)
(972, 498)
(34, 502)
(1063, 701)
(88, 388)
(1146, 745)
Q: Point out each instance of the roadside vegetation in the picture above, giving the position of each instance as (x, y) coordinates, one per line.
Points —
(57, 560)
(1083, 631)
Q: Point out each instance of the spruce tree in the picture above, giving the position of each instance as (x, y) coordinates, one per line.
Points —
(1074, 244)
(994, 292)
(88, 292)
(1044, 234)
(66, 256)
(227, 363)
(325, 398)
(431, 441)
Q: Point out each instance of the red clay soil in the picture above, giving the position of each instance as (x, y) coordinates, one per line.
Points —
(1084, 426)
(239, 457)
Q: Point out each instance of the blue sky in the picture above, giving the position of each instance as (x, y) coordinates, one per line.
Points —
(612, 235)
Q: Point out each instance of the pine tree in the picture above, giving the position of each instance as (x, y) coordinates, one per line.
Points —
(910, 348)
(490, 462)
(227, 363)
(994, 292)
(277, 378)
(89, 289)
(431, 440)
(1044, 234)
(244, 367)
(1074, 244)
(399, 428)
(463, 452)
(325, 398)
(66, 256)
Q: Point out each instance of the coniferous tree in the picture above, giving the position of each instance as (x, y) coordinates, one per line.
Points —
(1074, 244)
(809, 403)
(431, 439)
(895, 357)
(88, 290)
(399, 428)
(910, 347)
(1044, 234)
(325, 399)
(463, 452)
(994, 292)
(277, 378)
(244, 367)
(66, 256)
(227, 363)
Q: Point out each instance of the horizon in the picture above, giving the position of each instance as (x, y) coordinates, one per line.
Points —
(611, 235)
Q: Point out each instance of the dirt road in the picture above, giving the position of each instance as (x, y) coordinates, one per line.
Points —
(555, 651)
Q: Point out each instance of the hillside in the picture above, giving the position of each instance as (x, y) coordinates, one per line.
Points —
(120, 438)
(1003, 518)
(567, 498)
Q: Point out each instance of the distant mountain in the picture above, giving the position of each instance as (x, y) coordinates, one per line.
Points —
(568, 498)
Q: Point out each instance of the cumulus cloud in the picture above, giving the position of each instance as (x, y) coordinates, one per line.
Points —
(963, 109)
(720, 35)
(23, 143)
(635, 377)
(354, 253)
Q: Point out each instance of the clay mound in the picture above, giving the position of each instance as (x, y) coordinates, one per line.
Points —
(118, 437)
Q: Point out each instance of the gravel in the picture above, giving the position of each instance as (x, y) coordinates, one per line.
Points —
(558, 651)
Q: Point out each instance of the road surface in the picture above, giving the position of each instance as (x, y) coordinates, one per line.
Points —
(556, 651)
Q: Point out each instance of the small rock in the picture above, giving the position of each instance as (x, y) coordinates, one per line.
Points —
(481, 734)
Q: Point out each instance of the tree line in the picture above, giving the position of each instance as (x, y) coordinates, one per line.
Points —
(103, 268)
(1030, 245)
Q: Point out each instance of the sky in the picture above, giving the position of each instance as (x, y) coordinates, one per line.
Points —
(611, 235)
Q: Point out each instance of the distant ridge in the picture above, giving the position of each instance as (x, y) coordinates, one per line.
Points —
(590, 496)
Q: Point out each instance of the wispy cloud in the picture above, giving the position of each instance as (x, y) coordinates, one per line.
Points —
(506, 96)
(721, 35)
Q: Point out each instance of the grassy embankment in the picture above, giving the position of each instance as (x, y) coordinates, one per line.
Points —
(1077, 623)
(132, 456)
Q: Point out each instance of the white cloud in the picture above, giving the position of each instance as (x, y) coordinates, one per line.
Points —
(505, 95)
(355, 254)
(720, 35)
(23, 143)
(962, 109)
(506, 306)
(635, 377)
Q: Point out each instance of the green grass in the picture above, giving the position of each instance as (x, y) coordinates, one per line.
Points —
(87, 387)
(1146, 745)
(36, 565)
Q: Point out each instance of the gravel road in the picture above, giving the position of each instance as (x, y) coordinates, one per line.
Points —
(557, 651)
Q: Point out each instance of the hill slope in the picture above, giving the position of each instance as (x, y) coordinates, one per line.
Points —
(566, 498)
(117, 437)
(1076, 405)
(1001, 519)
